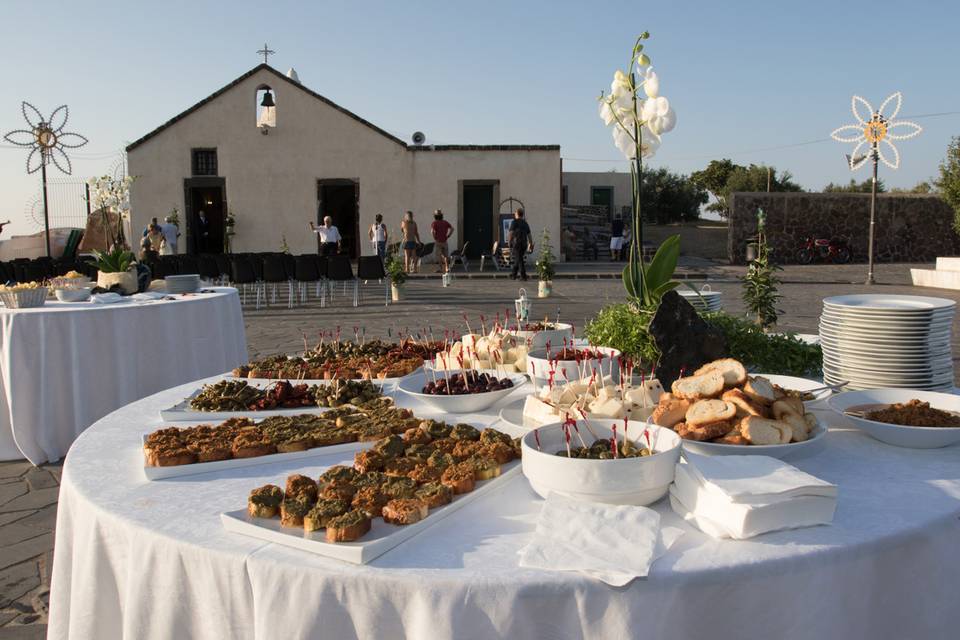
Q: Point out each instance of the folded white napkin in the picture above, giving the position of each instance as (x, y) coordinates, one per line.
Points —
(107, 298)
(718, 515)
(148, 296)
(612, 543)
(754, 479)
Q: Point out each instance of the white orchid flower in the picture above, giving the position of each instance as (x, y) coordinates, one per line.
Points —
(658, 115)
(651, 83)
(625, 142)
(649, 144)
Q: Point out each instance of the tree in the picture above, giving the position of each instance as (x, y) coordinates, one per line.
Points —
(923, 186)
(671, 197)
(949, 181)
(722, 178)
(714, 179)
(855, 187)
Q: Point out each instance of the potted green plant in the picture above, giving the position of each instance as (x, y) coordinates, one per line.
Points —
(545, 265)
(397, 275)
(117, 267)
(760, 294)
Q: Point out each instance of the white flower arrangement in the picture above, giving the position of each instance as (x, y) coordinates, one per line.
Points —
(111, 194)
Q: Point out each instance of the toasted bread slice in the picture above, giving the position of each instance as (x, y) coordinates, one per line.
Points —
(764, 431)
(707, 411)
(734, 437)
(670, 411)
(760, 390)
(798, 427)
(744, 405)
(707, 385)
(703, 432)
(784, 406)
(734, 373)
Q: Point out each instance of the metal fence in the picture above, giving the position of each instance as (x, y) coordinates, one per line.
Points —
(67, 202)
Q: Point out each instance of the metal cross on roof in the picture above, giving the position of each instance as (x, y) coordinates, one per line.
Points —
(265, 52)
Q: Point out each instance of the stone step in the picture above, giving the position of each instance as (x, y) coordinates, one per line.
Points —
(939, 278)
(948, 264)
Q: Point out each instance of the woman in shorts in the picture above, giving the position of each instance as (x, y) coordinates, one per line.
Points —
(411, 241)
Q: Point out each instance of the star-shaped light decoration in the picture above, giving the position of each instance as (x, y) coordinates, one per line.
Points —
(46, 138)
(876, 130)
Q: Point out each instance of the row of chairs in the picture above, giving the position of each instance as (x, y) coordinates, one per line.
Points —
(263, 271)
(39, 269)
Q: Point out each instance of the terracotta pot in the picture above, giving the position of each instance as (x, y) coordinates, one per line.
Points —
(126, 279)
(545, 289)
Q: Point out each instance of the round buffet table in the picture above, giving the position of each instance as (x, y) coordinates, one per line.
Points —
(65, 365)
(141, 559)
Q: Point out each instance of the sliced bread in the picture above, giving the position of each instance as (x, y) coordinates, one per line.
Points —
(787, 405)
(763, 431)
(734, 373)
(707, 385)
(707, 411)
(744, 404)
(760, 390)
(670, 411)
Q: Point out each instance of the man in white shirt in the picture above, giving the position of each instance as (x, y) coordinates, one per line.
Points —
(329, 237)
(170, 233)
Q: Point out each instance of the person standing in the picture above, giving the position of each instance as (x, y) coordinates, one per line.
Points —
(441, 230)
(203, 232)
(378, 236)
(569, 242)
(330, 239)
(520, 243)
(146, 229)
(627, 238)
(170, 233)
(616, 238)
(411, 241)
(590, 243)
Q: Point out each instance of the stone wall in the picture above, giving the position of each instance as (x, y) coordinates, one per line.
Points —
(909, 228)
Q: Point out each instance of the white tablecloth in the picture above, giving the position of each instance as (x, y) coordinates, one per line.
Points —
(65, 365)
(136, 559)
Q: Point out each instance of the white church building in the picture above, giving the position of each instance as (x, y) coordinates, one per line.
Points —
(277, 155)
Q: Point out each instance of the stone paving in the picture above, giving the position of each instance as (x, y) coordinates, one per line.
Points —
(28, 495)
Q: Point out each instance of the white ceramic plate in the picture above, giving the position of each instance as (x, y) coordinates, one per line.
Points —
(813, 445)
(901, 436)
(889, 363)
(886, 302)
(539, 339)
(512, 414)
(468, 403)
(860, 384)
(881, 332)
(637, 481)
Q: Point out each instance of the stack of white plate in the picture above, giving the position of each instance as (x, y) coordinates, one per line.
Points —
(887, 341)
(703, 300)
(183, 283)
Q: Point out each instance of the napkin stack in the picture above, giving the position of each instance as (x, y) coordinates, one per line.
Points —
(612, 543)
(743, 496)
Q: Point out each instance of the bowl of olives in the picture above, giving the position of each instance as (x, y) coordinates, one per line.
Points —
(461, 391)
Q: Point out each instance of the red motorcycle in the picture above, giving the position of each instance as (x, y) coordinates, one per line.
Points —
(834, 250)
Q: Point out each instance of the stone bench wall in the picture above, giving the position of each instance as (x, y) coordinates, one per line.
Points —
(909, 228)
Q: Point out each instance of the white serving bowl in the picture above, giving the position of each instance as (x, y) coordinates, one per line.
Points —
(73, 295)
(466, 403)
(636, 481)
(897, 435)
(539, 339)
(538, 365)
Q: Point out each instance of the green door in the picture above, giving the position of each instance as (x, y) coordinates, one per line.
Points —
(602, 196)
(478, 218)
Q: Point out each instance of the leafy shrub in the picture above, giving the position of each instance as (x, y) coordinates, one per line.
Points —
(624, 327)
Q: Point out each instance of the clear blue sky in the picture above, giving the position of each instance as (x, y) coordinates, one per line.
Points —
(742, 76)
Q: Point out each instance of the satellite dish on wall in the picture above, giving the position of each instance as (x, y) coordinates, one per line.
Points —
(419, 137)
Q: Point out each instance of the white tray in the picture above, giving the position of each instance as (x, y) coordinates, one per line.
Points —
(181, 470)
(382, 536)
(181, 412)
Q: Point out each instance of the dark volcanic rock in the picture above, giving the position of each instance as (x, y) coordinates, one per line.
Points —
(685, 340)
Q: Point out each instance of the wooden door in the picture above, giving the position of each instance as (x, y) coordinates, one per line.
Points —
(478, 218)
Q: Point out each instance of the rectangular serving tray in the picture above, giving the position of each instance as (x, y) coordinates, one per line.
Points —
(181, 412)
(382, 536)
(181, 470)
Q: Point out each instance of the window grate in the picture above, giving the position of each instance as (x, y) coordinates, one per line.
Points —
(204, 162)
